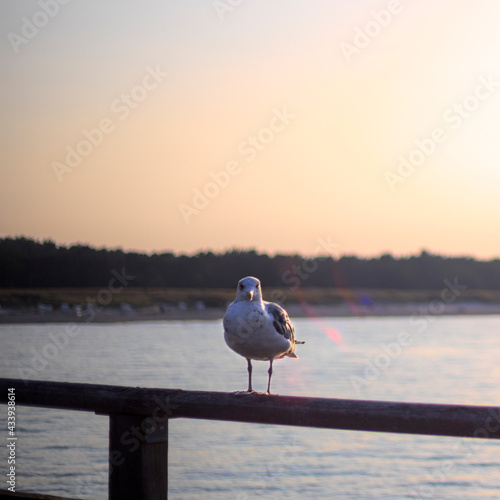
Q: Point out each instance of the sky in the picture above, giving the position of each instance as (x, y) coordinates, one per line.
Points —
(327, 126)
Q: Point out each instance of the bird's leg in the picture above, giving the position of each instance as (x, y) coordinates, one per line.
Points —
(270, 371)
(249, 367)
(250, 390)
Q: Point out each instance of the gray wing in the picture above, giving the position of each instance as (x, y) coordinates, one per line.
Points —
(281, 321)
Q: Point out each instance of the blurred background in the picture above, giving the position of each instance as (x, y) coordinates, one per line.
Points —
(210, 125)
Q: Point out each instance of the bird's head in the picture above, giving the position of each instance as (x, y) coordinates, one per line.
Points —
(249, 289)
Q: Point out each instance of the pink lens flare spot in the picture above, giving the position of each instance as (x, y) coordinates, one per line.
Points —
(333, 335)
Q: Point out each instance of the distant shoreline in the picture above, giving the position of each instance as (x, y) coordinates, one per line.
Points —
(100, 305)
(294, 311)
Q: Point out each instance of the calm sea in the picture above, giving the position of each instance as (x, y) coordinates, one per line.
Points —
(434, 359)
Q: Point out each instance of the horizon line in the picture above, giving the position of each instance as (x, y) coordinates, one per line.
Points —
(149, 253)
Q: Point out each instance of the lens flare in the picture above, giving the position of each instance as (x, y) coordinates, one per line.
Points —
(348, 297)
(332, 333)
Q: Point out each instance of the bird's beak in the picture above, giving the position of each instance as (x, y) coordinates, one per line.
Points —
(250, 295)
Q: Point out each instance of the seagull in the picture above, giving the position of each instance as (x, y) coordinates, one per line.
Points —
(256, 329)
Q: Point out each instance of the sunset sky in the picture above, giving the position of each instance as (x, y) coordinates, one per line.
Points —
(275, 125)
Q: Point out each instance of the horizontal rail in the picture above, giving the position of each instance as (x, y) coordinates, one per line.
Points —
(162, 404)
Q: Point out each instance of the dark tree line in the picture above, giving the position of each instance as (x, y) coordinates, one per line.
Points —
(25, 263)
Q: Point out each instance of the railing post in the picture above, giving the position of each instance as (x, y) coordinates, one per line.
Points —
(138, 458)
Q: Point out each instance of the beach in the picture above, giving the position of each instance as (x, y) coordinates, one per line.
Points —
(117, 315)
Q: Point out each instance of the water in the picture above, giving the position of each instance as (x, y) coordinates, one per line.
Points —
(439, 359)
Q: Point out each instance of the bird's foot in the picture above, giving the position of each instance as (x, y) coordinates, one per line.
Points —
(245, 393)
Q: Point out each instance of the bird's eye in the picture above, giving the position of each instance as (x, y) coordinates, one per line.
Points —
(241, 286)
